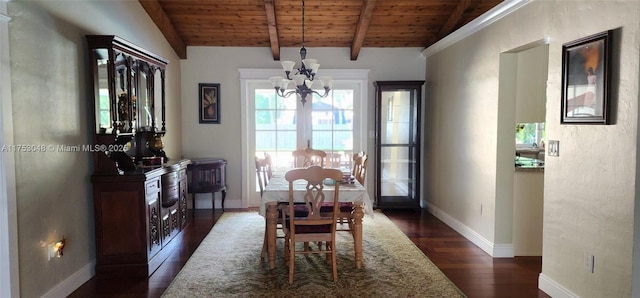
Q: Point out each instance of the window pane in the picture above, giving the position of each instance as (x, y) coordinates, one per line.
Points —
(265, 99)
(322, 140)
(286, 140)
(530, 134)
(265, 119)
(342, 140)
(265, 141)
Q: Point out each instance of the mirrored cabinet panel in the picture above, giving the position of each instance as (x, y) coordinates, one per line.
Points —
(129, 104)
(398, 143)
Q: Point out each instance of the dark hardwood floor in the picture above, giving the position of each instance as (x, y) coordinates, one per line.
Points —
(470, 268)
(466, 265)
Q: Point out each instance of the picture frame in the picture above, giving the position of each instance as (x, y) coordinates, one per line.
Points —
(209, 103)
(586, 75)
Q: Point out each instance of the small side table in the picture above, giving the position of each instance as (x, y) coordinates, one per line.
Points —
(207, 175)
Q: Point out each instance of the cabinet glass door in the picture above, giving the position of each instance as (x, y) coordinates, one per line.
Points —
(143, 102)
(101, 88)
(397, 142)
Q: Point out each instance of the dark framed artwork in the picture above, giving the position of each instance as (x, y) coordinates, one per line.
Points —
(209, 103)
(586, 74)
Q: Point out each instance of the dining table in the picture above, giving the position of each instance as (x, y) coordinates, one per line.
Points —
(278, 191)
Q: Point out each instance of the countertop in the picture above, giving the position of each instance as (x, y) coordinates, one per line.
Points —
(528, 164)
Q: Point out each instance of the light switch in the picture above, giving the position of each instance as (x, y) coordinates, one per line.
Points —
(554, 148)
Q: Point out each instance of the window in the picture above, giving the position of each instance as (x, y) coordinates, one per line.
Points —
(282, 126)
(277, 126)
(530, 135)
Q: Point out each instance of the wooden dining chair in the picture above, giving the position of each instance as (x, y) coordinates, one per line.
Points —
(308, 157)
(314, 226)
(264, 173)
(359, 171)
(334, 160)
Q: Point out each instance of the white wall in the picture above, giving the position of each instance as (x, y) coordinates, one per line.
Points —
(531, 83)
(50, 106)
(221, 64)
(528, 191)
(589, 189)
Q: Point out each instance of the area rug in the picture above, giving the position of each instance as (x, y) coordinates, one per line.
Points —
(227, 264)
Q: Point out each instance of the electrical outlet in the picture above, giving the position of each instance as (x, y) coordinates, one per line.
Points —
(481, 209)
(589, 260)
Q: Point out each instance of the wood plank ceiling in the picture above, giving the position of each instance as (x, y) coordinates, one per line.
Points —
(328, 23)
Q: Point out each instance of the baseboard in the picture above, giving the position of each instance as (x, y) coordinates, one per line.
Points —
(553, 289)
(494, 250)
(73, 282)
(204, 202)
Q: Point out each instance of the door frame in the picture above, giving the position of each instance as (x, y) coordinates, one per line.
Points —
(8, 208)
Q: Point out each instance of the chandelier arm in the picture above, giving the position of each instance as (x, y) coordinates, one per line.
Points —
(326, 92)
(285, 95)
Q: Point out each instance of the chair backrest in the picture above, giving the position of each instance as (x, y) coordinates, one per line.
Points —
(263, 171)
(333, 160)
(353, 160)
(314, 196)
(308, 157)
(360, 166)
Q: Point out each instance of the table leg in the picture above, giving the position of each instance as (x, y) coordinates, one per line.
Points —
(358, 213)
(272, 219)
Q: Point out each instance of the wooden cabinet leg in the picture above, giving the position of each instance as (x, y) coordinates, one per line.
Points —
(193, 204)
(224, 195)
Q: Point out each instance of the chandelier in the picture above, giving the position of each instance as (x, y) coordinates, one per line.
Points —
(303, 77)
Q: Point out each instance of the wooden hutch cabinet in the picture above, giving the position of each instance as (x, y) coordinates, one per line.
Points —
(139, 195)
(397, 164)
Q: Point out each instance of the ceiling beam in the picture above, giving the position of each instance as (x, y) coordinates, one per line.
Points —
(270, 9)
(457, 17)
(361, 30)
(160, 18)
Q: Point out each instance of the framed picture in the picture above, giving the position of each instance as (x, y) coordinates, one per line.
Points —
(586, 74)
(209, 103)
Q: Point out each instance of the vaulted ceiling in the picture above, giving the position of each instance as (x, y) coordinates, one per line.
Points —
(327, 23)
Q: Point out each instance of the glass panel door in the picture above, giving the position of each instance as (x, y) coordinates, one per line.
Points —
(283, 125)
(275, 127)
(332, 127)
(278, 126)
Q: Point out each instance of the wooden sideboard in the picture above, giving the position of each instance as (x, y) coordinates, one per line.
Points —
(139, 195)
(137, 215)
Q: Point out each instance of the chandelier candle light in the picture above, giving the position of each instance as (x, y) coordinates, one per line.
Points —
(304, 76)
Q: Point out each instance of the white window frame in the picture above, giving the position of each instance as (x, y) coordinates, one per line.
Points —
(250, 77)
